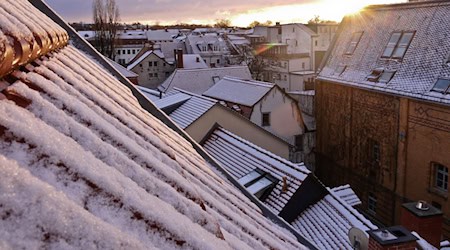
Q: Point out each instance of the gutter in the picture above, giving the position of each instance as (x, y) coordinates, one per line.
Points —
(146, 104)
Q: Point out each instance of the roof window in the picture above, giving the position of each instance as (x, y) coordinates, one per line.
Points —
(259, 183)
(398, 44)
(356, 37)
(442, 85)
(381, 75)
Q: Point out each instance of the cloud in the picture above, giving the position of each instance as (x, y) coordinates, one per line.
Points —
(166, 11)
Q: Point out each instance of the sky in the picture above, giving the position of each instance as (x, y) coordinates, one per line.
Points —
(239, 12)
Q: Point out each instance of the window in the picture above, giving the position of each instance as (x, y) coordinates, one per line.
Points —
(386, 76)
(440, 177)
(375, 75)
(356, 37)
(167, 74)
(265, 119)
(218, 61)
(259, 183)
(118, 52)
(340, 69)
(398, 44)
(155, 64)
(150, 64)
(155, 74)
(123, 52)
(315, 43)
(164, 64)
(128, 51)
(374, 152)
(372, 203)
(134, 51)
(442, 85)
(299, 142)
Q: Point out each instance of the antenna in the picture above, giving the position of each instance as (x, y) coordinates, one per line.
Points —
(358, 239)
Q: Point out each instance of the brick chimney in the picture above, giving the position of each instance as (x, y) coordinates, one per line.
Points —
(392, 238)
(424, 219)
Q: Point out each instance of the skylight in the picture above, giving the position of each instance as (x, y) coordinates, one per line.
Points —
(259, 183)
(442, 85)
(398, 44)
(356, 37)
(381, 75)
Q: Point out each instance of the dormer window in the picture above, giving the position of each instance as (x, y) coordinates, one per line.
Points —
(442, 86)
(259, 183)
(398, 44)
(356, 37)
(386, 76)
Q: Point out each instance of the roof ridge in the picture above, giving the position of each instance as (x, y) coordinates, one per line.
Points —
(250, 81)
(196, 95)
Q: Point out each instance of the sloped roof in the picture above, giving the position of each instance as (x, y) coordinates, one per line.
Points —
(240, 91)
(161, 35)
(84, 166)
(240, 157)
(421, 66)
(151, 94)
(199, 80)
(122, 69)
(170, 100)
(141, 58)
(193, 107)
(326, 222)
(346, 193)
(193, 61)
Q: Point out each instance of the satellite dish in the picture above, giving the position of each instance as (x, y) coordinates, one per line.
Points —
(358, 239)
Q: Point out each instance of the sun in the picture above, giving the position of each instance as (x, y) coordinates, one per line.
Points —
(333, 10)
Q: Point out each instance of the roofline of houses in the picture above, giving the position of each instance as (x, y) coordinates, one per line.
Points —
(152, 109)
(405, 4)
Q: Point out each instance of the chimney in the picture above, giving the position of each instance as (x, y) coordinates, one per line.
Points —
(179, 58)
(396, 237)
(424, 219)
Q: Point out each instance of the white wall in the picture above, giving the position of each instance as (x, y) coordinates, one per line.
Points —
(297, 38)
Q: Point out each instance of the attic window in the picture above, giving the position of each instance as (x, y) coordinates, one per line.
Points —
(442, 85)
(386, 76)
(265, 119)
(340, 69)
(356, 37)
(398, 44)
(259, 183)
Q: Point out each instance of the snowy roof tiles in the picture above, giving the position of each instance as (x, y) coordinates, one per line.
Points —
(199, 80)
(191, 109)
(326, 221)
(240, 91)
(423, 63)
(98, 171)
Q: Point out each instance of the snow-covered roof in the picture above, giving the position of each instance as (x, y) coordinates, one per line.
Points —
(423, 63)
(84, 166)
(193, 61)
(161, 35)
(326, 222)
(346, 193)
(151, 94)
(240, 157)
(240, 91)
(193, 107)
(169, 47)
(141, 58)
(87, 34)
(195, 41)
(199, 80)
(125, 72)
(131, 34)
(171, 100)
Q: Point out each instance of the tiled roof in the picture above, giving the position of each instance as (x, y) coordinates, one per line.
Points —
(347, 194)
(122, 69)
(240, 157)
(84, 166)
(325, 222)
(193, 61)
(199, 80)
(240, 91)
(421, 66)
(191, 110)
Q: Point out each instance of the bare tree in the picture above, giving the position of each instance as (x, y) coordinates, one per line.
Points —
(106, 24)
(222, 23)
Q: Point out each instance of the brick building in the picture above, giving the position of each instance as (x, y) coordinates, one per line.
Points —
(383, 108)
